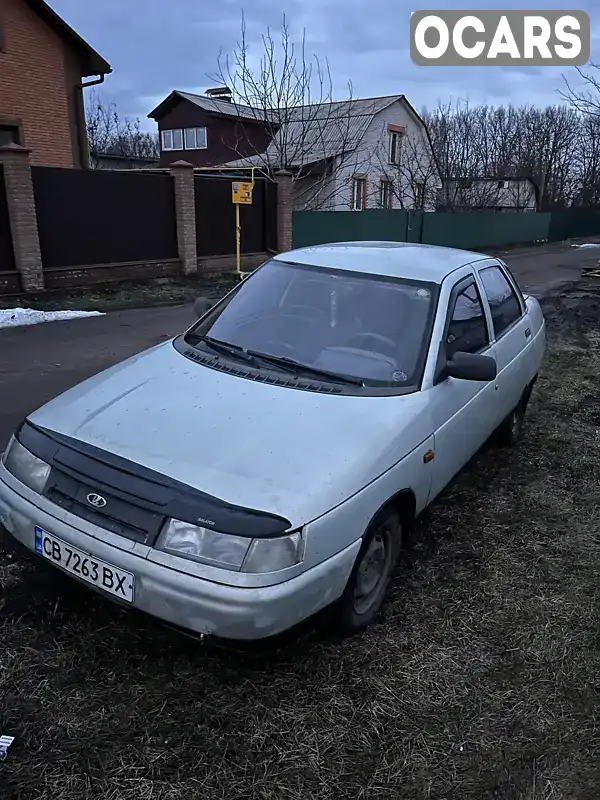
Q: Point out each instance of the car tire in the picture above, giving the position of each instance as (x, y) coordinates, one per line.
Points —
(367, 586)
(510, 431)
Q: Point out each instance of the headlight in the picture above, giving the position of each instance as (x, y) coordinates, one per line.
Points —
(192, 541)
(228, 551)
(26, 467)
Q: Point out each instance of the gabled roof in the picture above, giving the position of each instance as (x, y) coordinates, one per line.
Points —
(91, 62)
(221, 107)
(320, 131)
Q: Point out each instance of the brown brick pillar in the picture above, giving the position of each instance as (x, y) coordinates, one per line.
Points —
(185, 213)
(283, 179)
(22, 215)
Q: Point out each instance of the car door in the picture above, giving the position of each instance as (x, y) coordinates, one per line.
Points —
(511, 334)
(459, 409)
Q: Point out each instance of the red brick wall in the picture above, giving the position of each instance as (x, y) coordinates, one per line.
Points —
(33, 84)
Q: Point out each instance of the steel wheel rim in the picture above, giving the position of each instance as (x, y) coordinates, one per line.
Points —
(515, 422)
(372, 571)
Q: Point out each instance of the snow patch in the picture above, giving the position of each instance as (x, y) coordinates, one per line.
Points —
(14, 317)
(587, 244)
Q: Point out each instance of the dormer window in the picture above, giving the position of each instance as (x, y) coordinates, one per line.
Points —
(195, 138)
(172, 140)
(184, 139)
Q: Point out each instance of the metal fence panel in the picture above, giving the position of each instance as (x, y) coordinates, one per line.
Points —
(104, 217)
(473, 230)
(215, 217)
(321, 227)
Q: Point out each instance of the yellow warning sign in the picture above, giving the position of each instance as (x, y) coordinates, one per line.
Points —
(241, 193)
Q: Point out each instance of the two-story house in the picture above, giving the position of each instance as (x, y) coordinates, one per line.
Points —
(43, 62)
(354, 155)
(349, 155)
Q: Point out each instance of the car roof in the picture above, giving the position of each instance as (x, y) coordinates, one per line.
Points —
(423, 262)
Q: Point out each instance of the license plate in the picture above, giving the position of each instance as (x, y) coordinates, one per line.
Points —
(105, 576)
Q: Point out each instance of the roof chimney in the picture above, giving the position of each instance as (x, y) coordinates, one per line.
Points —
(220, 93)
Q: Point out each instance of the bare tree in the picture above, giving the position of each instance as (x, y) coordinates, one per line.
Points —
(112, 134)
(586, 164)
(543, 144)
(587, 99)
(291, 95)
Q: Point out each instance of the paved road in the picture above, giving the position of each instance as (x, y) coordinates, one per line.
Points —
(40, 361)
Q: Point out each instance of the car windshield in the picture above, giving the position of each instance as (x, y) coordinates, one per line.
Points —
(356, 325)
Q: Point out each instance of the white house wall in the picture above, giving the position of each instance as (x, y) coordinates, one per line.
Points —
(371, 159)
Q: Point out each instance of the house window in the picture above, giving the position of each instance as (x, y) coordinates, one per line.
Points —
(172, 140)
(359, 193)
(195, 138)
(385, 193)
(395, 144)
(9, 134)
(419, 193)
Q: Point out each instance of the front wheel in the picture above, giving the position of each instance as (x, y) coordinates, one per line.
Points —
(367, 587)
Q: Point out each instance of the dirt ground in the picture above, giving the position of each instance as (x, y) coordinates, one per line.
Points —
(480, 681)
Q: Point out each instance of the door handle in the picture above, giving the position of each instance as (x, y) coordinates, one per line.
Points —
(527, 333)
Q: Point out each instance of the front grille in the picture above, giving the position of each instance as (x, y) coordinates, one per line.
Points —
(119, 516)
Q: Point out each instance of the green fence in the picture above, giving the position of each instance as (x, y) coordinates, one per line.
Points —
(469, 230)
(320, 227)
(573, 223)
(477, 229)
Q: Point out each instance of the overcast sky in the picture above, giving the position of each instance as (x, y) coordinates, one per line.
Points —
(155, 46)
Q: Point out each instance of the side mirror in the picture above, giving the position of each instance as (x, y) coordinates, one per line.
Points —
(202, 305)
(471, 367)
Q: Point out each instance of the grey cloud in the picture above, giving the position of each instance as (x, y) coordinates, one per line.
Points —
(156, 46)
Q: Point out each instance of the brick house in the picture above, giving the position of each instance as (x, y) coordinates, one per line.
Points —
(208, 130)
(42, 64)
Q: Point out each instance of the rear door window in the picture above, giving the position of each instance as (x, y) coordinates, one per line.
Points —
(467, 331)
(504, 304)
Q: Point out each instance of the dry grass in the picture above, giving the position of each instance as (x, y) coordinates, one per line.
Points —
(480, 682)
(111, 297)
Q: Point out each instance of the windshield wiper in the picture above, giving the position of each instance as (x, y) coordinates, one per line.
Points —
(225, 348)
(297, 367)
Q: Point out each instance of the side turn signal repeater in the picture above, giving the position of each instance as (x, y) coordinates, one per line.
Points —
(429, 456)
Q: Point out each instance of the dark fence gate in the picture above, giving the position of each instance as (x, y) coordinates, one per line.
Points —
(215, 217)
(7, 258)
(104, 217)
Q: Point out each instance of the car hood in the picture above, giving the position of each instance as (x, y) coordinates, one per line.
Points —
(272, 448)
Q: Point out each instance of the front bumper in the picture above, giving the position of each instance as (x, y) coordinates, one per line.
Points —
(176, 597)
